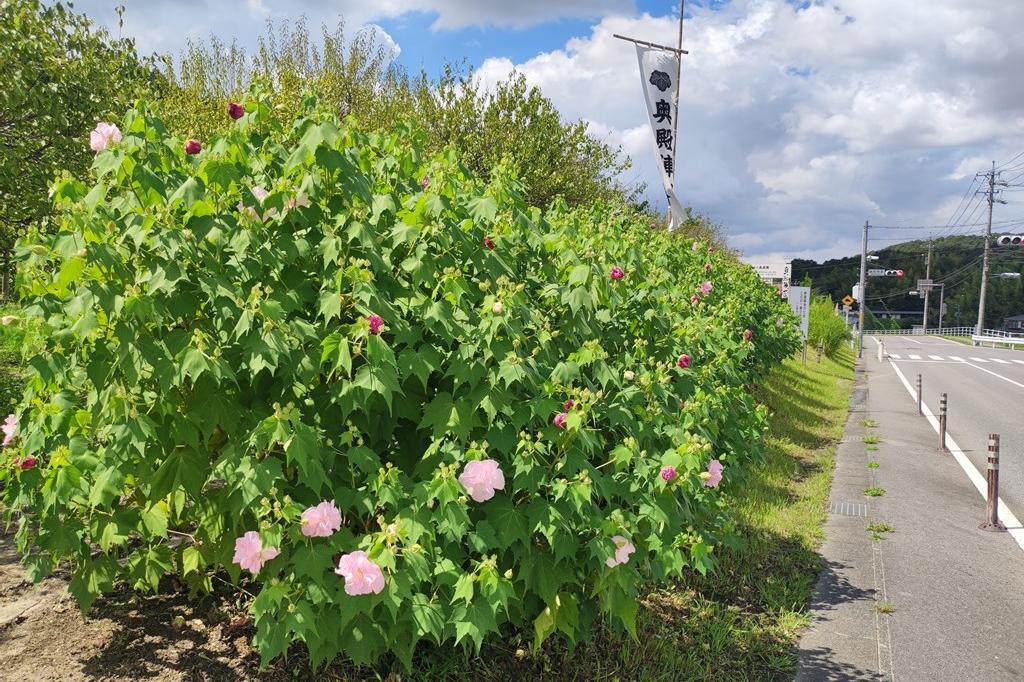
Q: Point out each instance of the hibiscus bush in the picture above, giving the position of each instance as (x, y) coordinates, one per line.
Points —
(391, 402)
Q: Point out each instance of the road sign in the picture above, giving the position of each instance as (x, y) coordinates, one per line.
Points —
(847, 300)
(923, 284)
(800, 301)
(876, 272)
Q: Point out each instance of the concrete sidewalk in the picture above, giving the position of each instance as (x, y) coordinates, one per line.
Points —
(957, 592)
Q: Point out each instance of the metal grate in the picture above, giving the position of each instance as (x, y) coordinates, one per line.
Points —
(848, 508)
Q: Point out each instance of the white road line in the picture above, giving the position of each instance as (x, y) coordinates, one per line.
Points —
(1013, 526)
(958, 358)
(935, 357)
(914, 357)
(979, 360)
(1000, 376)
(910, 339)
(1000, 361)
(1019, 362)
(894, 355)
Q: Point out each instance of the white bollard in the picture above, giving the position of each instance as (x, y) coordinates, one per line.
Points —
(881, 350)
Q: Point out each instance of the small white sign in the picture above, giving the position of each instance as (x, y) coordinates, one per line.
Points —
(770, 271)
(800, 302)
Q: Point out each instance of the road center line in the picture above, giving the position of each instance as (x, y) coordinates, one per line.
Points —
(1013, 525)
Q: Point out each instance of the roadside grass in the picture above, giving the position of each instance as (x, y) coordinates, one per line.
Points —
(874, 491)
(872, 465)
(885, 607)
(872, 440)
(879, 529)
(742, 621)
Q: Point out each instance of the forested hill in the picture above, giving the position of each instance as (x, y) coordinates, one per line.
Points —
(955, 261)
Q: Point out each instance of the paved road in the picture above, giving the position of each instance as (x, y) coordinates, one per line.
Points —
(985, 387)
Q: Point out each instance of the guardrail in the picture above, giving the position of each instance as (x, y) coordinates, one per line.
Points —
(1006, 340)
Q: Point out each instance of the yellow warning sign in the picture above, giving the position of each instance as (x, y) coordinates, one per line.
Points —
(847, 300)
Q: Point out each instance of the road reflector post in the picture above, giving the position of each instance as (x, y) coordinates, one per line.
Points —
(881, 350)
(819, 349)
(992, 521)
(919, 411)
(942, 422)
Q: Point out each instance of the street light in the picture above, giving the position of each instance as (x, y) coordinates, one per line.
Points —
(1008, 275)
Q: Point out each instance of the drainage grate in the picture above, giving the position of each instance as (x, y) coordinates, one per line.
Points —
(849, 508)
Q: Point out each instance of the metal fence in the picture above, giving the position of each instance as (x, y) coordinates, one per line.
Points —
(944, 331)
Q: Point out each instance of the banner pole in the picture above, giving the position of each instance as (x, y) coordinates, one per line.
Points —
(675, 107)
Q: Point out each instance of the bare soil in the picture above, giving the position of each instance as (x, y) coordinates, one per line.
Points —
(43, 635)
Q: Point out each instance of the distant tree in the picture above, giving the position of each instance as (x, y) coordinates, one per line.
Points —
(357, 75)
(60, 75)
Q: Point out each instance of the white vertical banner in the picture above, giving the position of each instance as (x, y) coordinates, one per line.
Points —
(658, 69)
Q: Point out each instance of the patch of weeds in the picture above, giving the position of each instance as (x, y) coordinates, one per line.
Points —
(872, 448)
(885, 607)
(872, 440)
(869, 423)
(873, 465)
(879, 529)
(874, 491)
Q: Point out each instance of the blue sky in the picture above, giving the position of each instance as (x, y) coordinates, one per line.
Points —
(799, 119)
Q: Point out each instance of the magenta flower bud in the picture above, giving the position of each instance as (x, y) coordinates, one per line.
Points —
(695, 299)
(193, 147)
(235, 110)
(668, 473)
(559, 420)
(489, 243)
(376, 322)
(683, 361)
(706, 288)
(748, 335)
(425, 182)
(707, 267)
(27, 463)
(617, 273)
(568, 405)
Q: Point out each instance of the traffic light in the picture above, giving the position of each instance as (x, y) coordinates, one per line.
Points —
(1010, 240)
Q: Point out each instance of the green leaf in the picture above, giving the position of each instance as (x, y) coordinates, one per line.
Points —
(183, 468)
(428, 615)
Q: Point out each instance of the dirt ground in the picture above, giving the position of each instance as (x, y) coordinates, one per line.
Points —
(44, 637)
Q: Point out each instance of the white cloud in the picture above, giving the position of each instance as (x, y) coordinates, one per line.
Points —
(796, 125)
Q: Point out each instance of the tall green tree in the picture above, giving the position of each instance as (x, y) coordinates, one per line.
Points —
(357, 76)
(61, 75)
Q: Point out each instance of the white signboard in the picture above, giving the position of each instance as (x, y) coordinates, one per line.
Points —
(658, 70)
(800, 302)
(777, 273)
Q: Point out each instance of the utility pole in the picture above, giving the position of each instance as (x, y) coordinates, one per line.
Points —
(980, 326)
(863, 290)
(927, 275)
(942, 303)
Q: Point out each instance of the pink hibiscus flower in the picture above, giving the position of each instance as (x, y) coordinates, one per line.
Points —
(322, 520)
(103, 136)
(361, 575)
(250, 553)
(714, 474)
(481, 478)
(623, 548)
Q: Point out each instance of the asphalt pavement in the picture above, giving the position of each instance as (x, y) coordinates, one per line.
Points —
(925, 594)
(985, 394)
